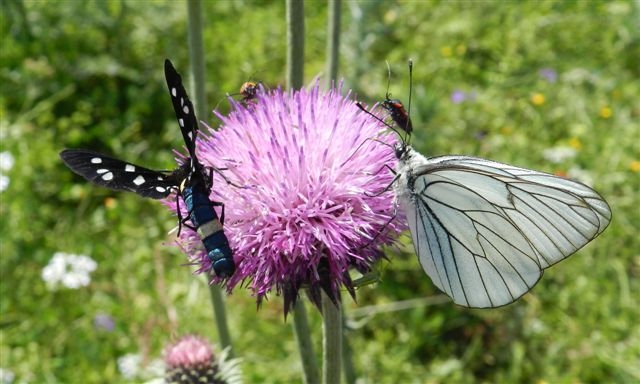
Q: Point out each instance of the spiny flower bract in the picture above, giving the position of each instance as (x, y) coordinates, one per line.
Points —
(315, 198)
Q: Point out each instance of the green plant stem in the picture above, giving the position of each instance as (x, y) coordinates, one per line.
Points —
(302, 332)
(196, 54)
(220, 313)
(331, 341)
(347, 361)
(295, 77)
(333, 41)
(295, 43)
(333, 60)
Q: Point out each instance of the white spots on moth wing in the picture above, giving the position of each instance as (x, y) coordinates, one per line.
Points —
(96, 160)
(107, 176)
(129, 168)
(139, 180)
(181, 122)
(161, 189)
(174, 92)
(160, 178)
(190, 134)
(185, 109)
(181, 101)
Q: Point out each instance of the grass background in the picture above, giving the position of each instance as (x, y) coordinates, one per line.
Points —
(89, 74)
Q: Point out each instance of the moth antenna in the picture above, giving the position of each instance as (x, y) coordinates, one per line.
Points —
(387, 94)
(379, 119)
(410, 92)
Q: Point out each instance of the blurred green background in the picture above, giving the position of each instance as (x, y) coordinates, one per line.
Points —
(512, 82)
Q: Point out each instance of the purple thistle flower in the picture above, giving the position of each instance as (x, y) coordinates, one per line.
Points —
(188, 352)
(102, 321)
(458, 96)
(191, 360)
(548, 74)
(315, 201)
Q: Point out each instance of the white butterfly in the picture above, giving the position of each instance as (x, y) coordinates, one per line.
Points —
(485, 231)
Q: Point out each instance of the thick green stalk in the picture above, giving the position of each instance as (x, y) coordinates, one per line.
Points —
(331, 341)
(295, 43)
(295, 78)
(333, 41)
(347, 361)
(303, 333)
(196, 54)
(333, 60)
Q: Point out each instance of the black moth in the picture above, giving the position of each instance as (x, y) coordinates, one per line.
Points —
(191, 181)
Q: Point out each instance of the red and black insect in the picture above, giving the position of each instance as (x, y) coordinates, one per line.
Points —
(396, 109)
(398, 113)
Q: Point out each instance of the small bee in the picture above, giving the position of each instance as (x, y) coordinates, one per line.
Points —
(248, 91)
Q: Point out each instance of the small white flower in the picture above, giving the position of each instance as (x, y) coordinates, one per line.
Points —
(71, 271)
(155, 368)
(559, 154)
(6, 376)
(581, 175)
(4, 182)
(6, 161)
(129, 365)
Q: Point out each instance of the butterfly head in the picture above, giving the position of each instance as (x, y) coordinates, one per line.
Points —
(402, 150)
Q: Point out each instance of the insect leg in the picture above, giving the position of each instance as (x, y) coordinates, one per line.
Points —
(393, 216)
(397, 175)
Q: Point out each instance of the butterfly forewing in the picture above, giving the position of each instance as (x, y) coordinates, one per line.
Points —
(485, 231)
(117, 174)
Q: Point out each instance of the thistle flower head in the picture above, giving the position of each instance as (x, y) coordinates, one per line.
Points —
(191, 360)
(315, 200)
(188, 352)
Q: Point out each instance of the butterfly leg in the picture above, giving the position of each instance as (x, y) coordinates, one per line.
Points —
(388, 187)
(393, 216)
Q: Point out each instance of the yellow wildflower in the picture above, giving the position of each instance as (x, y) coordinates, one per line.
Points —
(110, 203)
(461, 49)
(606, 112)
(537, 99)
(446, 51)
(506, 130)
(575, 143)
(635, 166)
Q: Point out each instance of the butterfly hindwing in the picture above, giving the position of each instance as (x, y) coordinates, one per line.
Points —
(485, 231)
(118, 175)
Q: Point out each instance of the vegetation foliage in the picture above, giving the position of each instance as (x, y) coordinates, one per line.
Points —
(89, 74)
